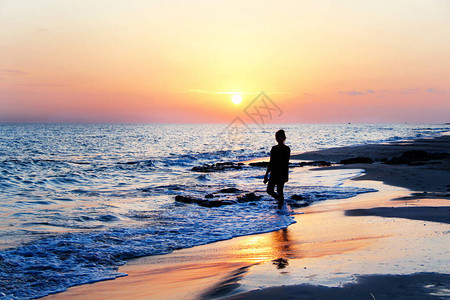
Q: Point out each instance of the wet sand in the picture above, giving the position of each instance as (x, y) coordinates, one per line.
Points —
(428, 176)
(388, 244)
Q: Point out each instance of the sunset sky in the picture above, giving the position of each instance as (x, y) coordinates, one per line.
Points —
(183, 61)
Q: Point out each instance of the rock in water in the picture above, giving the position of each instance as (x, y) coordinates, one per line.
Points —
(217, 167)
(249, 198)
(259, 164)
(203, 202)
(229, 190)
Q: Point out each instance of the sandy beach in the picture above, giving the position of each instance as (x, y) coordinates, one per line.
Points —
(393, 243)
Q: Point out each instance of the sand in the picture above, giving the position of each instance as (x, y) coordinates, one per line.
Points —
(431, 176)
(394, 243)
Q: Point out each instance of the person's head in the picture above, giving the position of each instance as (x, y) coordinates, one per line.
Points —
(280, 136)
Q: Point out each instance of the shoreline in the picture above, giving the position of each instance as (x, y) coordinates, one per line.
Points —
(429, 176)
(257, 265)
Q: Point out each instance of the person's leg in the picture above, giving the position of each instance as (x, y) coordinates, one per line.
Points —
(280, 187)
(271, 189)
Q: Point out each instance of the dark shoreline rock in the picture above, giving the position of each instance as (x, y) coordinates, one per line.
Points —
(259, 164)
(318, 163)
(229, 190)
(297, 197)
(297, 201)
(415, 157)
(207, 168)
(203, 202)
(213, 200)
(249, 197)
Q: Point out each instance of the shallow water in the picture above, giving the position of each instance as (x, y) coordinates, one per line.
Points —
(78, 200)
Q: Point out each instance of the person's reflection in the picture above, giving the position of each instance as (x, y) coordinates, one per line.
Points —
(282, 246)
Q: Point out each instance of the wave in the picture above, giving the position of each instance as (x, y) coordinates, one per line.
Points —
(53, 264)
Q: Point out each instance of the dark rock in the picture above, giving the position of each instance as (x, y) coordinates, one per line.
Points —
(217, 167)
(209, 196)
(318, 163)
(297, 197)
(298, 201)
(259, 164)
(185, 199)
(356, 160)
(202, 202)
(440, 155)
(229, 190)
(416, 158)
(416, 155)
(250, 197)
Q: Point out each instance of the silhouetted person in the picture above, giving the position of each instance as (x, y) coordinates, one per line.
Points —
(278, 168)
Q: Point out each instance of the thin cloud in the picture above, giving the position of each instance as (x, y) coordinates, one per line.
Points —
(12, 72)
(352, 93)
(230, 93)
(41, 84)
(435, 91)
(403, 91)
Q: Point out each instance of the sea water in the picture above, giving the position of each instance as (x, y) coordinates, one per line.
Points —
(79, 200)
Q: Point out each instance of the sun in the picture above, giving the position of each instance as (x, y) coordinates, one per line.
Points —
(236, 99)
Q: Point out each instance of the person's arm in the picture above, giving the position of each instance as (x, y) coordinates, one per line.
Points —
(266, 177)
(289, 155)
(269, 168)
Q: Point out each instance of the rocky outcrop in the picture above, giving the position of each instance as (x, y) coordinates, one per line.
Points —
(216, 200)
(250, 197)
(203, 202)
(415, 157)
(259, 164)
(319, 163)
(207, 168)
(298, 201)
(229, 190)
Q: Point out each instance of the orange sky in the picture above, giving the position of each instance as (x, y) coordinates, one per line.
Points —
(180, 61)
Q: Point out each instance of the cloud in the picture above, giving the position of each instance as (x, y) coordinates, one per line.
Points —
(403, 91)
(435, 91)
(352, 93)
(12, 72)
(231, 93)
(42, 84)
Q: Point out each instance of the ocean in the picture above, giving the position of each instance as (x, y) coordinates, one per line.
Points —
(79, 200)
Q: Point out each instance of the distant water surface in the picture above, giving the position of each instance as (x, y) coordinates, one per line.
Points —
(78, 200)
